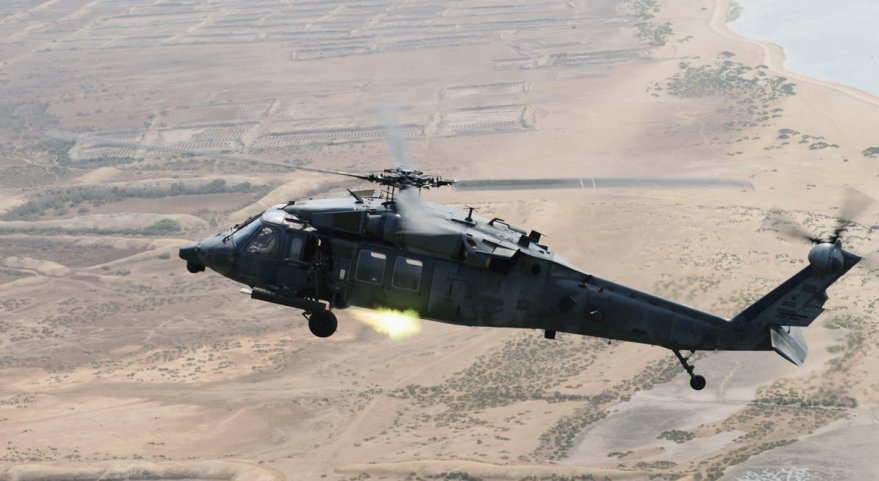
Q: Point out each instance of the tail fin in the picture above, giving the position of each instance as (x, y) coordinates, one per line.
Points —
(798, 301)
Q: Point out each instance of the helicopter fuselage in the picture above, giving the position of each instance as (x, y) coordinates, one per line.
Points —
(321, 255)
(473, 271)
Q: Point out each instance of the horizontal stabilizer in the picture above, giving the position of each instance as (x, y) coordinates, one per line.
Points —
(789, 343)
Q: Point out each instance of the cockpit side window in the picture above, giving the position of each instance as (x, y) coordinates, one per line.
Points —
(242, 234)
(265, 243)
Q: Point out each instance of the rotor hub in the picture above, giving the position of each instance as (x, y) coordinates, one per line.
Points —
(826, 257)
(399, 178)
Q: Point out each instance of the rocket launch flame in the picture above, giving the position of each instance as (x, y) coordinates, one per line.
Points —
(395, 324)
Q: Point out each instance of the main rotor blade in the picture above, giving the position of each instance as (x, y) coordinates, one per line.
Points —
(601, 183)
(93, 141)
(394, 137)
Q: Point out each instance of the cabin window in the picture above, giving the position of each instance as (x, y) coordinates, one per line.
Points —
(265, 243)
(371, 267)
(311, 246)
(407, 274)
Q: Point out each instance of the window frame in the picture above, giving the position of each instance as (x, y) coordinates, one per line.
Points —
(242, 235)
(278, 241)
(406, 261)
(294, 239)
(375, 255)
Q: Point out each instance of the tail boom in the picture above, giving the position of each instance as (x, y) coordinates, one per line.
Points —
(797, 302)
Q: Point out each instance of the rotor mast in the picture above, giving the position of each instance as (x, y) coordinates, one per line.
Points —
(398, 178)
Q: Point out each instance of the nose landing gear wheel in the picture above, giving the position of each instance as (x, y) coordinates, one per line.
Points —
(697, 382)
(322, 323)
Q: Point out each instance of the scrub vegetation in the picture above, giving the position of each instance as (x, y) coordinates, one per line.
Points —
(870, 152)
(463, 476)
(557, 442)
(80, 198)
(676, 435)
(748, 93)
(523, 370)
(725, 77)
(734, 12)
(650, 31)
(654, 33)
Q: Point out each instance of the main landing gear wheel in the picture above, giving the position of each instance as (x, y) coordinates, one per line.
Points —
(697, 382)
(322, 323)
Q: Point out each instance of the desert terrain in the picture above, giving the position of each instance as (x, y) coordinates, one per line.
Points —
(116, 363)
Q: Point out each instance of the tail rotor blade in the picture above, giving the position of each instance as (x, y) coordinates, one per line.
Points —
(783, 224)
(854, 203)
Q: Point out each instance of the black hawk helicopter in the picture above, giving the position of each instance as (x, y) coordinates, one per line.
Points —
(392, 250)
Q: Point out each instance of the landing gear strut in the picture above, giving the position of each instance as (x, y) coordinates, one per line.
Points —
(697, 382)
(322, 323)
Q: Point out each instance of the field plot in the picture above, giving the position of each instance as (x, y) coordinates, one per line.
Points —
(241, 111)
(330, 136)
(482, 120)
(94, 146)
(210, 138)
(575, 59)
(464, 91)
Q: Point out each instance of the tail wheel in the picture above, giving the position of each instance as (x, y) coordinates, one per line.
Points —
(322, 323)
(697, 382)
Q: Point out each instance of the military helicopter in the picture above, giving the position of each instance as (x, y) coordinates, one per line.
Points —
(388, 248)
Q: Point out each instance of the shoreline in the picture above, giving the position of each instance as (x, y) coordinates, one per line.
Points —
(774, 57)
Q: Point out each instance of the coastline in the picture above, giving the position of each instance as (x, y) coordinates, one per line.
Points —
(774, 57)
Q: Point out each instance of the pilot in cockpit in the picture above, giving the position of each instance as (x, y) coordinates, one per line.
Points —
(265, 243)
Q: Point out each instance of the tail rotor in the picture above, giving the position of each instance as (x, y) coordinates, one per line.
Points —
(825, 254)
(853, 205)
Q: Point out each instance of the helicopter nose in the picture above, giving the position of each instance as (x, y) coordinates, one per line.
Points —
(190, 253)
(215, 252)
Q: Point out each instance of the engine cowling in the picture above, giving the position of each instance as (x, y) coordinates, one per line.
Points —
(826, 257)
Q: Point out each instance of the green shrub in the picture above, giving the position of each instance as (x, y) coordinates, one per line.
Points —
(163, 226)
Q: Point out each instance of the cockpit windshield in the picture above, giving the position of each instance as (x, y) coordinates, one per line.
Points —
(244, 232)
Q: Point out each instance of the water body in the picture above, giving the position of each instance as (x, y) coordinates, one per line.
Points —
(825, 39)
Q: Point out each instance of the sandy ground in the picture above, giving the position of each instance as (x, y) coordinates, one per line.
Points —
(113, 359)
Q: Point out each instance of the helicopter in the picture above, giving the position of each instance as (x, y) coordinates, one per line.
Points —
(386, 248)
